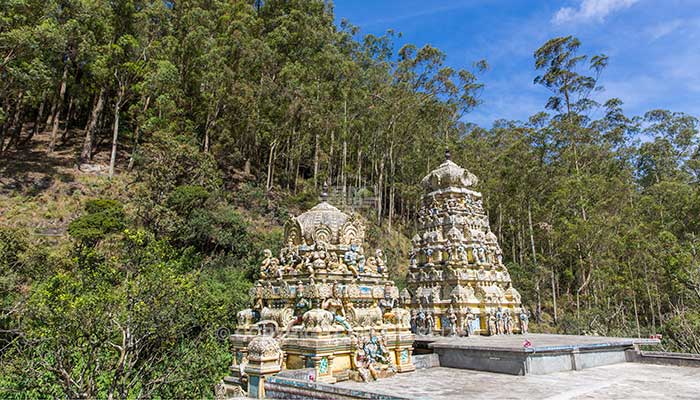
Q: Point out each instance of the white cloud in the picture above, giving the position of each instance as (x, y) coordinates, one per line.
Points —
(590, 10)
(664, 28)
(687, 27)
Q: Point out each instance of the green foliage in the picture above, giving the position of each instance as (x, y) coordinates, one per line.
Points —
(185, 199)
(103, 216)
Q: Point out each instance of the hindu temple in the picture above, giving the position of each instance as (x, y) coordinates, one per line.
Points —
(324, 304)
(457, 283)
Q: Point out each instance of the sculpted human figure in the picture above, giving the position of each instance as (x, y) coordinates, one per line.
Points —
(500, 322)
(387, 303)
(492, 324)
(435, 293)
(509, 322)
(275, 269)
(524, 321)
(370, 266)
(452, 317)
(468, 322)
(429, 255)
(414, 322)
(335, 306)
(482, 255)
(350, 258)
(301, 306)
(379, 257)
(265, 265)
(429, 323)
(319, 257)
(421, 320)
(335, 265)
(424, 275)
(412, 256)
(360, 259)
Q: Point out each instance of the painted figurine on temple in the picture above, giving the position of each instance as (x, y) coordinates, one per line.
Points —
(379, 257)
(452, 317)
(335, 306)
(289, 255)
(301, 306)
(350, 258)
(319, 257)
(374, 349)
(524, 321)
(429, 255)
(500, 325)
(414, 322)
(468, 323)
(435, 293)
(335, 265)
(265, 265)
(420, 321)
(387, 303)
(509, 322)
(429, 323)
(492, 325)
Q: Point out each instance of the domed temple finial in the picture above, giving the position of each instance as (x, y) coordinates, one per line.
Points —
(324, 192)
(448, 156)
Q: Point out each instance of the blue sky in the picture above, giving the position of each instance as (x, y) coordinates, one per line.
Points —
(654, 46)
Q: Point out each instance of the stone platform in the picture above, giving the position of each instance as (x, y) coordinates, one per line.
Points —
(619, 381)
(545, 353)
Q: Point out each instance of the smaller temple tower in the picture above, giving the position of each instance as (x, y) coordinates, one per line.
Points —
(457, 283)
(328, 305)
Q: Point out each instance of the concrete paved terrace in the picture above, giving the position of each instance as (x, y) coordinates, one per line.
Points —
(538, 342)
(530, 353)
(618, 381)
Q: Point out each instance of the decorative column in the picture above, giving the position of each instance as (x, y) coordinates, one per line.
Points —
(403, 357)
(264, 360)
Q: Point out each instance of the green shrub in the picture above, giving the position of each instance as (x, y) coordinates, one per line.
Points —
(103, 216)
(186, 198)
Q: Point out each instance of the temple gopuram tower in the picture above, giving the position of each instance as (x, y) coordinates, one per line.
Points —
(457, 283)
(328, 304)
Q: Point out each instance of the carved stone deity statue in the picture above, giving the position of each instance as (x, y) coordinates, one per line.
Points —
(429, 323)
(452, 317)
(524, 321)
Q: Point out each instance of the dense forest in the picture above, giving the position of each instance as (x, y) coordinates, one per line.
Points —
(149, 151)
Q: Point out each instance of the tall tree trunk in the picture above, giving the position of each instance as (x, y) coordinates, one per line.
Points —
(316, 155)
(69, 115)
(270, 161)
(534, 260)
(553, 283)
(115, 133)
(391, 184)
(330, 158)
(59, 104)
(344, 165)
(16, 123)
(380, 191)
(359, 168)
(137, 134)
(49, 117)
(37, 123)
(86, 153)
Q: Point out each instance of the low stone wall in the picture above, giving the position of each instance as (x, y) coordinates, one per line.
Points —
(286, 388)
(664, 358)
(423, 361)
